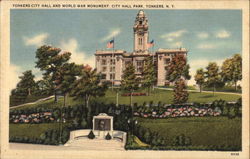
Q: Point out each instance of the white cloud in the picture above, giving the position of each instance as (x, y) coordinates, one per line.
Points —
(13, 74)
(173, 35)
(206, 46)
(202, 35)
(223, 34)
(200, 63)
(112, 33)
(36, 40)
(77, 56)
(176, 44)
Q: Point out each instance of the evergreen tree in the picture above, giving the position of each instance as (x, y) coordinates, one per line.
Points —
(200, 78)
(180, 92)
(129, 80)
(148, 74)
(50, 60)
(213, 75)
(231, 70)
(25, 87)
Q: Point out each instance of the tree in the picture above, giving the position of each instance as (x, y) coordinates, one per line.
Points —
(129, 80)
(212, 75)
(231, 69)
(178, 68)
(65, 77)
(88, 85)
(180, 92)
(25, 87)
(44, 86)
(200, 78)
(50, 60)
(148, 74)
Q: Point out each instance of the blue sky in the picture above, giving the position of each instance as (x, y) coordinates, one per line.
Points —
(209, 35)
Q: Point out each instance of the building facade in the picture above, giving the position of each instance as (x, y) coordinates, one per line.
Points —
(111, 63)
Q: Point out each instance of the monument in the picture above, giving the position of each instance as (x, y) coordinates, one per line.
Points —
(102, 125)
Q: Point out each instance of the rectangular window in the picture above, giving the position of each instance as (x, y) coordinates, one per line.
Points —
(112, 76)
(112, 61)
(104, 76)
(104, 62)
(166, 61)
(112, 69)
(104, 69)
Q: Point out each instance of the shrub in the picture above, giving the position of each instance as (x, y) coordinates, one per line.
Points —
(91, 135)
(108, 137)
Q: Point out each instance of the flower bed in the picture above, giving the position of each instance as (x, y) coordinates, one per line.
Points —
(134, 94)
(183, 111)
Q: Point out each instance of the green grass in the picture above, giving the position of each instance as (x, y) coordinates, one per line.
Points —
(203, 131)
(165, 96)
(31, 130)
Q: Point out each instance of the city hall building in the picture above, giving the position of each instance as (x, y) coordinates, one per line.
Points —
(111, 63)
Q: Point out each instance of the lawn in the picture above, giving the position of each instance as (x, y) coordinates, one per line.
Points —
(203, 131)
(31, 130)
(165, 96)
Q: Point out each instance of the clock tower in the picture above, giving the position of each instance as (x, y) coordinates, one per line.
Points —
(141, 32)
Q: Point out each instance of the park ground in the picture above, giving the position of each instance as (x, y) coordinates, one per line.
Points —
(204, 131)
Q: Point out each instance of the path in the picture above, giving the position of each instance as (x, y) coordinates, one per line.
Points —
(80, 144)
(39, 100)
(239, 94)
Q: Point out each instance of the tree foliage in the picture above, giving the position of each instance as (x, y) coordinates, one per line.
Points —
(200, 78)
(25, 87)
(129, 80)
(213, 75)
(178, 68)
(180, 92)
(231, 70)
(50, 60)
(148, 74)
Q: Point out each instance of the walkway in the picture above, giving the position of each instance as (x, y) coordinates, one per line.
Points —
(79, 144)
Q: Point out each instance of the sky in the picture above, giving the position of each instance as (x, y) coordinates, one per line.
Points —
(209, 35)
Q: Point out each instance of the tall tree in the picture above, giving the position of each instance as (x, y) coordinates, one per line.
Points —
(88, 85)
(178, 72)
(231, 69)
(148, 74)
(200, 78)
(65, 77)
(45, 86)
(129, 80)
(178, 68)
(50, 60)
(213, 75)
(25, 87)
(180, 92)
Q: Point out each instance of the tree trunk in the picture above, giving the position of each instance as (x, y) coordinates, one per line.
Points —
(131, 94)
(64, 99)
(200, 88)
(214, 90)
(55, 97)
(29, 91)
(149, 91)
(235, 85)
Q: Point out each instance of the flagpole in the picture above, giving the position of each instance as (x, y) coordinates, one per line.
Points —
(112, 65)
(153, 61)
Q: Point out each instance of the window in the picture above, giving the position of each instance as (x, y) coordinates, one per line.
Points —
(166, 61)
(104, 62)
(139, 63)
(112, 61)
(112, 69)
(112, 76)
(104, 69)
(104, 76)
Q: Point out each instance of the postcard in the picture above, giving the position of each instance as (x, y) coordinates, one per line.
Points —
(118, 79)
